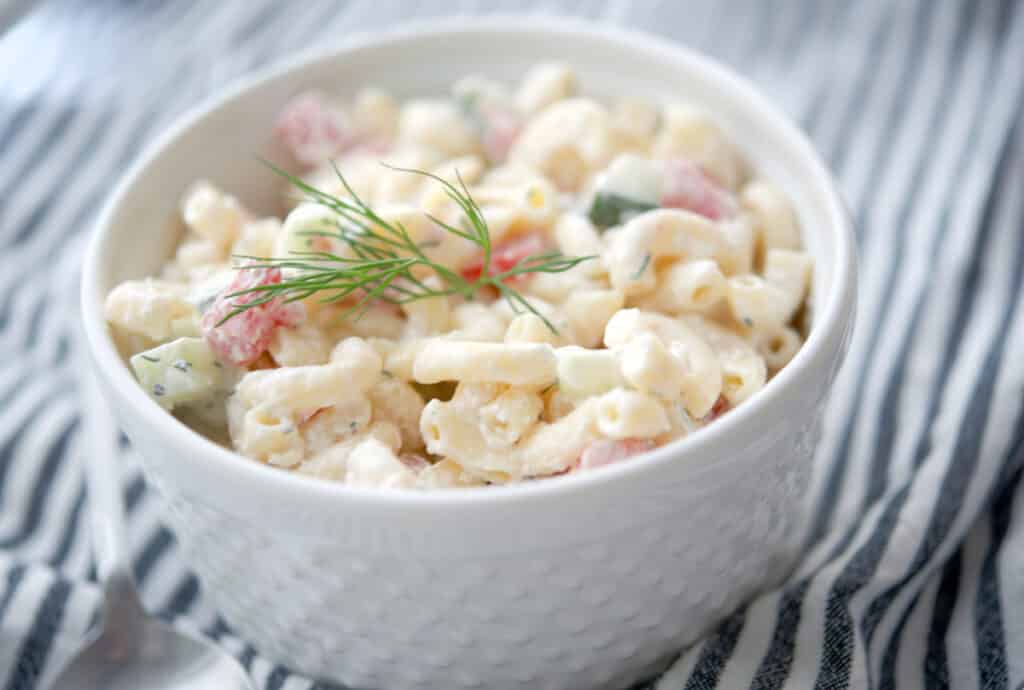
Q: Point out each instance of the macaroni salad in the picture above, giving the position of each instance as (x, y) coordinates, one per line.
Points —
(687, 289)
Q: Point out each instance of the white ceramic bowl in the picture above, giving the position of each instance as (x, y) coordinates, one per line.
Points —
(585, 581)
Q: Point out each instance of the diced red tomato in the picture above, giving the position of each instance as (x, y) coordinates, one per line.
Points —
(601, 453)
(312, 130)
(720, 407)
(686, 186)
(506, 255)
(244, 337)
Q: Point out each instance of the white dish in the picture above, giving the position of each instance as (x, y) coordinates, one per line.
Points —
(587, 581)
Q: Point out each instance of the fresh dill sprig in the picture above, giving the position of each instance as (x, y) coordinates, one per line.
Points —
(384, 256)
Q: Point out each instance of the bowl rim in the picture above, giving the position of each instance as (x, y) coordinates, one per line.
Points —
(830, 331)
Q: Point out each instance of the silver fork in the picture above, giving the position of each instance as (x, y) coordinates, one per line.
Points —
(129, 649)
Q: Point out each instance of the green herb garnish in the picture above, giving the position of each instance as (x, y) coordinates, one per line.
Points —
(610, 209)
(643, 266)
(386, 263)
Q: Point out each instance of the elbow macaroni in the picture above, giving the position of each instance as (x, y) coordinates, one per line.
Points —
(643, 242)
(695, 292)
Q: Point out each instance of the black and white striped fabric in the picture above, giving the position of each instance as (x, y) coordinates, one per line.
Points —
(916, 579)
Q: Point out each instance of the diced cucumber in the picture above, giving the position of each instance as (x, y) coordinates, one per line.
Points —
(179, 372)
(609, 209)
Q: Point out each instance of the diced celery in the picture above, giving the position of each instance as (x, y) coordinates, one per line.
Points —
(628, 186)
(609, 209)
(179, 372)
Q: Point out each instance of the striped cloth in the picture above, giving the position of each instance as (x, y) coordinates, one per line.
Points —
(916, 579)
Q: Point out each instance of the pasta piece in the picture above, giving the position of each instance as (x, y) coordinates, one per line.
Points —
(362, 171)
(511, 363)
(428, 316)
(777, 346)
(635, 122)
(379, 321)
(327, 427)
(649, 367)
(743, 370)
(690, 286)
(475, 395)
(508, 418)
(446, 474)
(353, 368)
(738, 246)
(575, 235)
(392, 188)
(397, 356)
(567, 141)
(702, 371)
(681, 423)
(556, 288)
(558, 403)
(583, 372)
(775, 224)
(196, 257)
(588, 312)
(636, 249)
(476, 322)
(463, 169)
(451, 430)
(532, 205)
(155, 309)
(330, 464)
(270, 436)
(375, 115)
(305, 230)
(372, 464)
(438, 126)
(213, 215)
(790, 271)
(397, 402)
(543, 85)
(623, 414)
(756, 303)
(530, 328)
(257, 238)
(298, 346)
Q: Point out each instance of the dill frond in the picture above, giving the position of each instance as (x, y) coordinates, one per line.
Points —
(386, 263)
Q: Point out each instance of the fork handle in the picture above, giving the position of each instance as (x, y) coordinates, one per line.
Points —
(106, 502)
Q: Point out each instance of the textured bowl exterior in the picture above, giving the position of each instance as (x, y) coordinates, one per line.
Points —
(586, 581)
(598, 606)
(595, 609)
